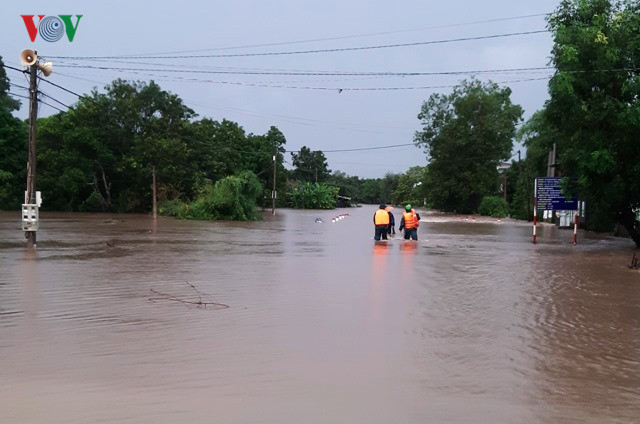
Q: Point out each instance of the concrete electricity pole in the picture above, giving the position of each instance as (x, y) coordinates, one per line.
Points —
(30, 197)
(29, 59)
(154, 193)
(274, 193)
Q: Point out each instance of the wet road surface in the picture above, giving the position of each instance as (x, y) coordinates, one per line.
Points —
(472, 324)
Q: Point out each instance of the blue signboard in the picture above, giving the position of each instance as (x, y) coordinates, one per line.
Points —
(550, 195)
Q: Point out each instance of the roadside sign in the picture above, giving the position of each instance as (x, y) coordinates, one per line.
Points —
(551, 197)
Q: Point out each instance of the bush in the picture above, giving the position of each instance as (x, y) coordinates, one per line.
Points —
(175, 208)
(493, 206)
(231, 198)
(313, 196)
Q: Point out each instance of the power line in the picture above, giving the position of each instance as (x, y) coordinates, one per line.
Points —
(344, 37)
(359, 149)
(15, 69)
(39, 101)
(62, 88)
(287, 118)
(333, 50)
(54, 99)
(339, 89)
(320, 88)
(18, 86)
(312, 73)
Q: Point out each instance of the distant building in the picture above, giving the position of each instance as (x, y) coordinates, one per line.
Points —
(503, 167)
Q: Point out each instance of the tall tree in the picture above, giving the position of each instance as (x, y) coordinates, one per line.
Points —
(310, 165)
(594, 106)
(13, 148)
(466, 134)
(411, 187)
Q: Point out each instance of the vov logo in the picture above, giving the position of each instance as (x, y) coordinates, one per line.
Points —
(51, 28)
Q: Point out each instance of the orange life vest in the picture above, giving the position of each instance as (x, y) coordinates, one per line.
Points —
(410, 220)
(381, 217)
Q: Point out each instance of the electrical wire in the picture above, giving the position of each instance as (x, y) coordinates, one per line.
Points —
(344, 37)
(312, 73)
(39, 101)
(19, 86)
(275, 84)
(359, 149)
(54, 99)
(333, 50)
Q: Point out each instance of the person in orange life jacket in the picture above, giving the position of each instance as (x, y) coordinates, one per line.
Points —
(410, 222)
(381, 222)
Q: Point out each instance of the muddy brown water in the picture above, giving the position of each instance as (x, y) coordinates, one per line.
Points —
(472, 324)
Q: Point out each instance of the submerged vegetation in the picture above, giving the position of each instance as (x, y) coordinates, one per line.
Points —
(231, 198)
(313, 196)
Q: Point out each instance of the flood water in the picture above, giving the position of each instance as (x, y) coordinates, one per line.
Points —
(472, 324)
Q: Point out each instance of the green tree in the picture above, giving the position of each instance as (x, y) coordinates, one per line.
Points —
(537, 136)
(313, 196)
(594, 106)
(349, 186)
(466, 134)
(310, 165)
(13, 148)
(411, 187)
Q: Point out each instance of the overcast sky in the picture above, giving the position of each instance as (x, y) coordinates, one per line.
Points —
(319, 119)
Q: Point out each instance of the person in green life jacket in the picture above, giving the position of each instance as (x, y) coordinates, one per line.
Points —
(410, 222)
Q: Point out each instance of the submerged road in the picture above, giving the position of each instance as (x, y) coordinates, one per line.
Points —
(472, 324)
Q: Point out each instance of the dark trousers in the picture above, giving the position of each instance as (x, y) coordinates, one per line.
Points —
(381, 231)
(411, 233)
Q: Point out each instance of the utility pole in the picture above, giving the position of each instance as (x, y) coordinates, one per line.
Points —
(551, 162)
(551, 172)
(505, 185)
(316, 175)
(524, 169)
(154, 190)
(30, 197)
(274, 193)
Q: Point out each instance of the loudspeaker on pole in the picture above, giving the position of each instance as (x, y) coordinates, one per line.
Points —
(28, 57)
(46, 68)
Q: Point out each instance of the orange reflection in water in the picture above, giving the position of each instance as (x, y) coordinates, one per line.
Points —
(379, 265)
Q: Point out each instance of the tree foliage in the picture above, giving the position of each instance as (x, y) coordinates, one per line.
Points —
(99, 155)
(313, 196)
(231, 198)
(411, 187)
(466, 134)
(594, 105)
(13, 148)
(494, 206)
(310, 165)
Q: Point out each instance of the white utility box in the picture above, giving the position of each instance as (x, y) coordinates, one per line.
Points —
(30, 217)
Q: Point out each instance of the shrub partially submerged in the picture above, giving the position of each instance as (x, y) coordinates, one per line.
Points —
(493, 206)
(231, 198)
(313, 196)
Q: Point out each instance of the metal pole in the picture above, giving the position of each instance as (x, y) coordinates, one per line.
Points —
(31, 164)
(154, 190)
(274, 193)
(575, 228)
(535, 214)
(505, 185)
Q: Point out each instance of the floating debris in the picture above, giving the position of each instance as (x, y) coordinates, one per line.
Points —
(205, 303)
